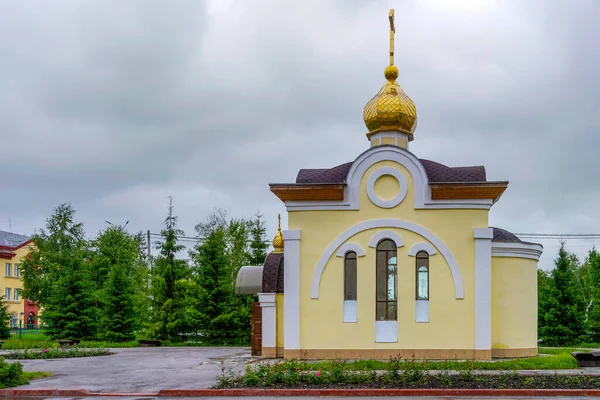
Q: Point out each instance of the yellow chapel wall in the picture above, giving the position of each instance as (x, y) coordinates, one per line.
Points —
(514, 307)
(451, 323)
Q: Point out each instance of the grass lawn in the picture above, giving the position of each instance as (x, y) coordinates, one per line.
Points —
(35, 375)
(551, 358)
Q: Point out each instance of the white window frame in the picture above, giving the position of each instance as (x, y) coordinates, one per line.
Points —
(16, 294)
(6, 294)
(8, 269)
(17, 270)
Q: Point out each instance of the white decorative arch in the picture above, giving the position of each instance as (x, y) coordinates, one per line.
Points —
(388, 223)
(422, 191)
(422, 246)
(403, 187)
(379, 236)
(346, 247)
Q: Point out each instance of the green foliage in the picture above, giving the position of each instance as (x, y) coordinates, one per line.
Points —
(167, 316)
(221, 316)
(11, 374)
(559, 359)
(214, 281)
(561, 307)
(121, 285)
(4, 319)
(71, 352)
(101, 289)
(399, 374)
(258, 244)
(593, 279)
(58, 275)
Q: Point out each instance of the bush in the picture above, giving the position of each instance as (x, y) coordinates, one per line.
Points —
(72, 352)
(11, 374)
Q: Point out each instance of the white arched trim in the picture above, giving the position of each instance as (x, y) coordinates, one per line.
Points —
(403, 187)
(532, 251)
(379, 236)
(346, 247)
(388, 223)
(422, 246)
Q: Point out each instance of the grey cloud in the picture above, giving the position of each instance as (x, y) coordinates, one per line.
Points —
(117, 105)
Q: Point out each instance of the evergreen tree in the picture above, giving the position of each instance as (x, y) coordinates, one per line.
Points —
(118, 254)
(214, 282)
(168, 284)
(593, 307)
(4, 320)
(58, 275)
(258, 244)
(561, 315)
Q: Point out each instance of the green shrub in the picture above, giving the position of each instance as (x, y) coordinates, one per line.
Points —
(11, 374)
(72, 352)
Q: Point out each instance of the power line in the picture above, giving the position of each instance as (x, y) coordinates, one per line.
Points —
(189, 238)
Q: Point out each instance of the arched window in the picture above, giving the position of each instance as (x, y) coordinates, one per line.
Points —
(350, 276)
(422, 269)
(387, 272)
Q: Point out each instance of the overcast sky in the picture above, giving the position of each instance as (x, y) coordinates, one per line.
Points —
(115, 105)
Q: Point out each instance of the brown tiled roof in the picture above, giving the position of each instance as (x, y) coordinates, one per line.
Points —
(436, 173)
(502, 235)
(272, 279)
(323, 175)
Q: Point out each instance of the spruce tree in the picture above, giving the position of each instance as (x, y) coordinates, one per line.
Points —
(57, 274)
(214, 282)
(593, 323)
(258, 244)
(4, 319)
(118, 254)
(562, 312)
(168, 286)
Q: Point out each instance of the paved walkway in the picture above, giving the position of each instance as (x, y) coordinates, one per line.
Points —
(137, 370)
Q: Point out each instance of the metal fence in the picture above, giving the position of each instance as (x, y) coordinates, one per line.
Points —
(28, 332)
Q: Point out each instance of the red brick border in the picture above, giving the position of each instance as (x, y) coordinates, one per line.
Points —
(304, 392)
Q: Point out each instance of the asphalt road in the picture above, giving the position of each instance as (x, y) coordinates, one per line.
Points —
(140, 370)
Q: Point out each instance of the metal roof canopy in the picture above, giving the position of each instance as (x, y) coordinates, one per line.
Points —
(249, 280)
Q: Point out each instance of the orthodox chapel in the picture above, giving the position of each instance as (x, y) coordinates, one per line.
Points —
(391, 254)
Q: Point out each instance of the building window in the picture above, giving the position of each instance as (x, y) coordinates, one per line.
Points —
(13, 320)
(350, 276)
(16, 295)
(387, 272)
(17, 272)
(7, 269)
(422, 276)
(7, 294)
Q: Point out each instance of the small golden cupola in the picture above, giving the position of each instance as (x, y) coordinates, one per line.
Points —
(278, 241)
(391, 116)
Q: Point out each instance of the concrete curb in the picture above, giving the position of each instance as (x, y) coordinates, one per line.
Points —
(303, 392)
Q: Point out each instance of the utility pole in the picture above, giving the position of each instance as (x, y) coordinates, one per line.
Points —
(149, 250)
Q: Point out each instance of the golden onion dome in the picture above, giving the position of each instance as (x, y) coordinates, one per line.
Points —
(391, 109)
(278, 240)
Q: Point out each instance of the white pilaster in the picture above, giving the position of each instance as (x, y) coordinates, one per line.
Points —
(483, 288)
(291, 292)
(269, 319)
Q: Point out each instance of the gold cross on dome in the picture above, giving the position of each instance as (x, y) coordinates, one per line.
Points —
(278, 221)
(392, 31)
